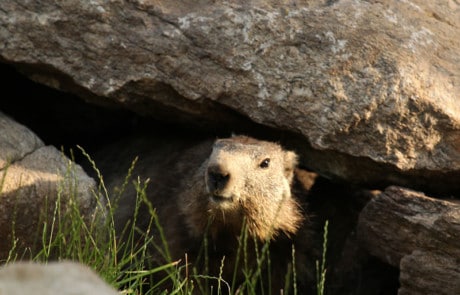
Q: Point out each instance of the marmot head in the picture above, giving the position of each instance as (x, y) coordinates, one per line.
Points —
(251, 179)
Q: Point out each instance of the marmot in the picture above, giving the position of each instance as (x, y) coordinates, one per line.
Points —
(210, 190)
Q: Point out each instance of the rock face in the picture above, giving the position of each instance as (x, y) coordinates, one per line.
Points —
(371, 88)
(16, 141)
(418, 234)
(32, 178)
(63, 278)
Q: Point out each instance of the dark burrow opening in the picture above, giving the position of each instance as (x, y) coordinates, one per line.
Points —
(65, 121)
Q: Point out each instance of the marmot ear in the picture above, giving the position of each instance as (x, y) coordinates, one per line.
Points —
(290, 163)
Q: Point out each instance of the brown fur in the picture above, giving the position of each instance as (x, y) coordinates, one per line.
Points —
(212, 188)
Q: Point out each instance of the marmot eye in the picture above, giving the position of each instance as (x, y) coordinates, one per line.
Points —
(265, 163)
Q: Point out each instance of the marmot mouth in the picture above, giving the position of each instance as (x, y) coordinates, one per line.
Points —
(220, 199)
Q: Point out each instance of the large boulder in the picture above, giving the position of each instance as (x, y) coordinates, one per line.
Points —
(34, 178)
(371, 87)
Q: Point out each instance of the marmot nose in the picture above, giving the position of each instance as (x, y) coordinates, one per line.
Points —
(217, 179)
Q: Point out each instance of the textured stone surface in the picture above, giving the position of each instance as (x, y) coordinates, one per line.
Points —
(429, 273)
(419, 234)
(373, 86)
(63, 278)
(31, 185)
(16, 141)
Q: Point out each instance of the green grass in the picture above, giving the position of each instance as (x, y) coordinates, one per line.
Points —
(67, 235)
(321, 266)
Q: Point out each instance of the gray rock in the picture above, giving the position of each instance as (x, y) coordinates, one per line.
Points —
(429, 273)
(64, 278)
(31, 186)
(418, 234)
(371, 88)
(16, 141)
